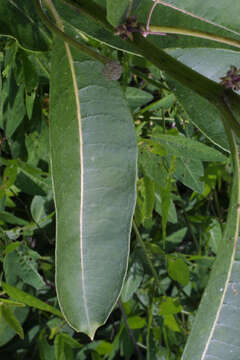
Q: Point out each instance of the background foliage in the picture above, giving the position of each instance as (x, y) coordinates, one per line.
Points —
(183, 188)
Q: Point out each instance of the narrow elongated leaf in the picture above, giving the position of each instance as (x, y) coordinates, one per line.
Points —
(188, 148)
(6, 331)
(25, 298)
(11, 219)
(215, 334)
(94, 155)
(12, 320)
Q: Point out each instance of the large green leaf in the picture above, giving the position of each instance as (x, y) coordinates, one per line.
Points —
(94, 156)
(215, 334)
(18, 19)
(213, 11)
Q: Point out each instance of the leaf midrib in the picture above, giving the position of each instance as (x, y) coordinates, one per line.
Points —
(75, 87)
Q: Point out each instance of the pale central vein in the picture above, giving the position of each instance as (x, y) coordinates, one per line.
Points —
(82, 180)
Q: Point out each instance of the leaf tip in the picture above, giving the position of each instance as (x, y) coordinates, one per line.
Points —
(91, 330)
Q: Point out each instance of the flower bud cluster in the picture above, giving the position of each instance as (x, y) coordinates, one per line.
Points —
(232, 79)
(125, 31)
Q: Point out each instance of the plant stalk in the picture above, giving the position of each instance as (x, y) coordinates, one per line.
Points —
(129, 331)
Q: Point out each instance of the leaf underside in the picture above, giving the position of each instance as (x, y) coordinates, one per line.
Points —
(94, 159)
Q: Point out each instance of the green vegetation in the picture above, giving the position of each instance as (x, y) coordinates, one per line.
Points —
(119, 180)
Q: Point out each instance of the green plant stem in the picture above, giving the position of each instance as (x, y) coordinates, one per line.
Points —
(129, 331)
(154, 30)
(61, 34)
(149, 261)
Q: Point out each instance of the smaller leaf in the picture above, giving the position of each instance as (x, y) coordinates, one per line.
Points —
(155, 147)
(6, 331)
(59, 348)
(116, 10)
(137, 97)
(172, 213)
(177, 237)
(169, 306)
(22, 264)
(35, 176)
(11, 303)
(9, 178)
(12, 320)
(170, 322)
(46, 351)
(188, 148)
(11, 219)
(178, 271)
(16, 110)
(29, 300)
(134, 278)
(11, 247)
(149, 197)
(30, 76)
(104, 348)
(136, 322)
(29, 99)
(70, 341)
(38, 211)
(189, 173)
(164, 103)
